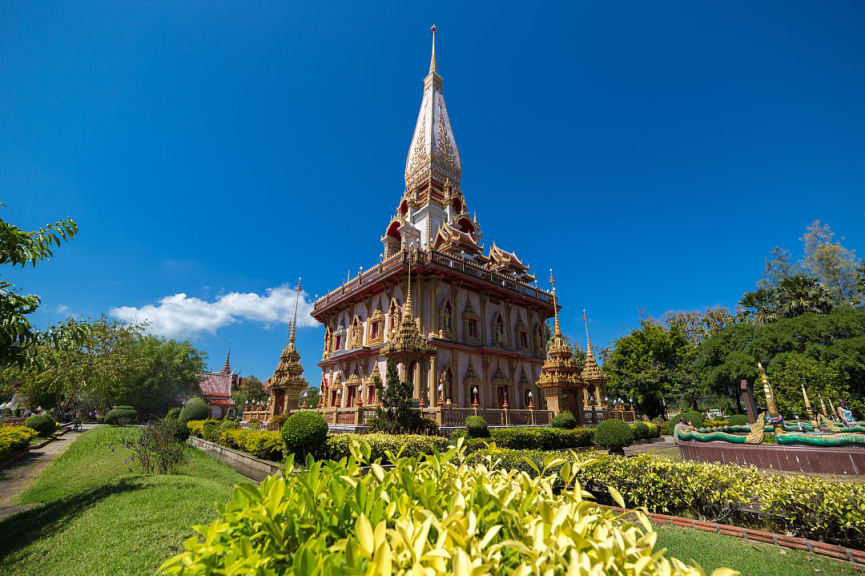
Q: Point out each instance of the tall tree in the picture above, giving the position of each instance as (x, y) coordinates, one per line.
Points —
(779, 265)
(395, 412)
(835, 265)
(758, 307)
(250, 390)
(164, 370)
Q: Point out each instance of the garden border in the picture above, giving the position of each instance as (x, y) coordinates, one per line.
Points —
(236, 460)
(832, 551)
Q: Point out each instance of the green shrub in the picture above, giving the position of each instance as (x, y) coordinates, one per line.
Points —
(14, 438)
(210, 429)
(173, 413)
(338, 446)
(194, 409)
(715, 423)
(179, 429)
(535, 438)
(564, 420)
(739, 420)
(228, 425)
(195, 427)
(694, 417)
(640, 430)
(665, 428)
(613, 435)
(476, 427)
(654, 430)
(277, 422)
(233, 438)
(304, 433)
(121, 415)
(337, 519)
(44, 424)
(264, 444)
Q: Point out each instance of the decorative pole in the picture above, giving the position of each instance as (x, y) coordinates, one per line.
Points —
(823, 407)
(834, 412)
(807, 404)
(775, 417)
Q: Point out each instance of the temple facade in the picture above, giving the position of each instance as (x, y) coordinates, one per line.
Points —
(464, 323)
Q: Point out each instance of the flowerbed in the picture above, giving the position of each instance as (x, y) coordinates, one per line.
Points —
(808, 507)
(435, 515)
(13, 439)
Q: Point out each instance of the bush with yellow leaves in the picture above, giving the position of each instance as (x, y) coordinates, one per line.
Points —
(428, 515)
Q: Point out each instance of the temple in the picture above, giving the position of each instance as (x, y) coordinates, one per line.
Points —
(464, 324)
(216, 388)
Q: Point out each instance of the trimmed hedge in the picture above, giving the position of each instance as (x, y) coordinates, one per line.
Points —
(43, 424)
(120, 415)
(14, 438)
(210, 429)
(738, 420)
(802, 506)
(194, 409)
(640, 430)
(477, 427)
(564, 420)
(337, 445)
(304, 433)
(535, 438)
(694, 417)
(613, 435)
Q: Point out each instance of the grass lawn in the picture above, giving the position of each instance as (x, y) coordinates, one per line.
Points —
(750, 558)
(94, 516)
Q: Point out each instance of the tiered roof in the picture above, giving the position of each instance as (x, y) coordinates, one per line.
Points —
(559, 370)
(408, 339)
(289, 371)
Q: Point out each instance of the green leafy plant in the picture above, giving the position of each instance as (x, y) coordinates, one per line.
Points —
(304, 433)
(738, 420)
(614, 435)
(121, 415)
(476, 427)
(435, 515)
(194, 409)
(14, 438)
(641, 430)
(536, 438)
(338, 446)
(395, 413)
(44, 424)
(694, 417)
(173, 413)
(210, 429)
(564, 420)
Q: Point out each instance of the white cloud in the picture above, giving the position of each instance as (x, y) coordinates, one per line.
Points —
(62, 309)
(183, 316)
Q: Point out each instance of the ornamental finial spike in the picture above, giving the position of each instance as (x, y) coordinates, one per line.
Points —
(294, 322)
(433, 67)
(555, 305)
(588, 341)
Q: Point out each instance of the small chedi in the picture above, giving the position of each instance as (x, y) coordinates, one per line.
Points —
(816, 445)
(465, 325)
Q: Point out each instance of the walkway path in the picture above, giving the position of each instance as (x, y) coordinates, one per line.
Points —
(666, 448)
(19, 475)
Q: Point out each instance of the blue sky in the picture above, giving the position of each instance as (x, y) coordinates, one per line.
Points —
(651, 153)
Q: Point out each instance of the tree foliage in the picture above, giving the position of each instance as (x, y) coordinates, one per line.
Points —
(395, 412)
(19, 339)
(250, 390)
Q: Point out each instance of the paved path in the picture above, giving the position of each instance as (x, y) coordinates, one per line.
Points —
(18, 476)
(666, 448)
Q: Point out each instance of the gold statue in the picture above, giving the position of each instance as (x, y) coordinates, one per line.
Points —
(810, 412)
(758, 430)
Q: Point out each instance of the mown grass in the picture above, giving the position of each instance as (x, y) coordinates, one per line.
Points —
(713, 551)
(94, 516)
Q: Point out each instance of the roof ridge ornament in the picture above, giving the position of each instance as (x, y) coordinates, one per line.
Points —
(433, 66)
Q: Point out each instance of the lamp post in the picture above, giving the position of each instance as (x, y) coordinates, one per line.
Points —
(475, 401)
(360, 395)
(531, 408)
(441, 395)
(339, 397)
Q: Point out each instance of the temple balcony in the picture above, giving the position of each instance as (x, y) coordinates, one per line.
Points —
(426, 261)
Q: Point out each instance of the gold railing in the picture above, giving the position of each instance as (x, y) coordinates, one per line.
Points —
(432, 257)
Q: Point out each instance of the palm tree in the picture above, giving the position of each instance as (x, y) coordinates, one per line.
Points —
(799, 294)
(758, 307)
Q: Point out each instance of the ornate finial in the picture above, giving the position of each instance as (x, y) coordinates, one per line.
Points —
(433, 67)
(226, 368)
(555, 304)
(294, 322)
(771, 407)
(408, 311)
(588, 341)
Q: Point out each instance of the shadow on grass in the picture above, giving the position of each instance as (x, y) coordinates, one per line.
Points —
(26, 527)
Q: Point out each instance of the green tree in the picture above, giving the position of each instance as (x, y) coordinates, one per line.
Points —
(835, 265)
(779, 265)
(309, 397)
(395, 413)
(758, 307)
(797, 295)
(20, 341)
(647, 364)
(250, 390)
(789, 371)
(164, 371)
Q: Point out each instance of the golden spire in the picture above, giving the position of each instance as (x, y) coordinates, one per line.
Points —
(807, 404)
(433, 67)
(558, 332)
(770, 402)
(588, 342)
(823, 407)
(294, 322)
(408, 311)
(226, 368)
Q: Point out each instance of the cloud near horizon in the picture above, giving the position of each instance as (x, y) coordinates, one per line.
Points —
(181, 316)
